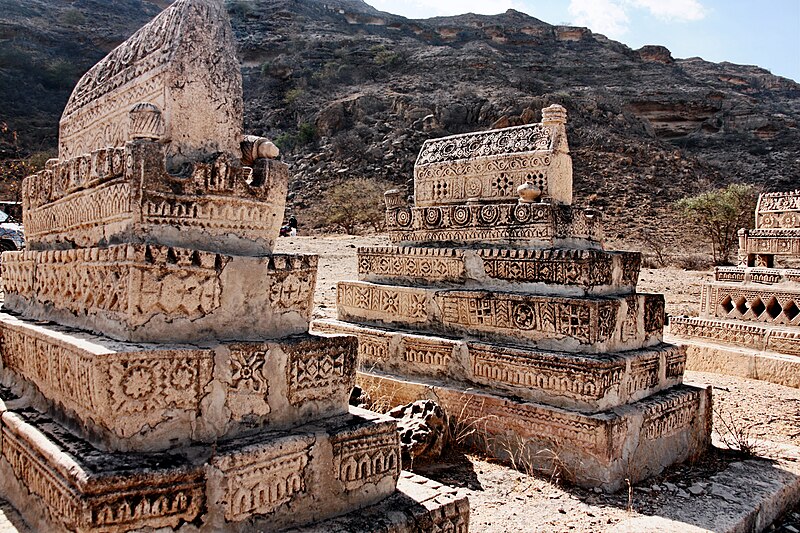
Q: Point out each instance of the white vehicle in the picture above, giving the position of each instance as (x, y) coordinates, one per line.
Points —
(12, 234)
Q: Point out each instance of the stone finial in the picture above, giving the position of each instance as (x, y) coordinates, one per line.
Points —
(254, 147)
(528, 193)
(393, 198)
(554, 114)
(147, 122)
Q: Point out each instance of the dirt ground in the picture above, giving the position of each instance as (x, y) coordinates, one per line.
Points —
(503, 500)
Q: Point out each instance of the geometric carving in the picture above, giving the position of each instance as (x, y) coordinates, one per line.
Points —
(383, 302)
(746, 302)
(317, 372)
(119, 290)
(674, 413)
(65, 205)
(536, 225)
(203, 117)
(424, 263)
(261, 478)
(367, 455)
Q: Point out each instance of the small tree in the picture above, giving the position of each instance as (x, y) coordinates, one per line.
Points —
(719, 214)
(353, 203)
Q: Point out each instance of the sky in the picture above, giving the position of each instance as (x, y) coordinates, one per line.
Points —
(750, 32)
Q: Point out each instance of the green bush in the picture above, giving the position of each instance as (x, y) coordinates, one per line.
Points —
(351, 205)
(719, 214)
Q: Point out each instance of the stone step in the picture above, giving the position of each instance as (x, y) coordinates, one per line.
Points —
(754, 335)
(630, 442)
(538, 225)
(270, 481)
(563, 272)
(776, 305)
(586, 383)
(126, 396)
(150, 293)
(590, 325)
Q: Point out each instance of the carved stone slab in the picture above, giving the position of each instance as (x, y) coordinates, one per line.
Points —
(549, 271)
(588, 383)
(774, 305)
(152, 397)
(262, 483)
(589, 450)
(778, 210)
(738, 333)
(522, 225)
(125, 194)
(547, 322)
(145, 293)
(435, 508)
(183, 62)
(490, 165)
(763, 276)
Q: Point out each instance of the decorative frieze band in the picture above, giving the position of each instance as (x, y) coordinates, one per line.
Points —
(126, 194)
(584, 382)
(778, 210)
(366, 455)
(535, 224)
(737, 333)
(162, 294)
(503, 267)
(778, 305)
(765, 276)
(571, 324)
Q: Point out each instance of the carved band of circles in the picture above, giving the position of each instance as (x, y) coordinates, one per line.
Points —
(522, 213)
(523, 316)
(403, 217)
(489, 214)
(433, 216)
(461, 215)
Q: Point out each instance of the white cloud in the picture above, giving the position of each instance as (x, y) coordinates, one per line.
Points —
(672, 10)
(602, 16)
(610, 17)
(436, 8)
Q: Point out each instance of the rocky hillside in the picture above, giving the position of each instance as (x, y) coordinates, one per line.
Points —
(349, 91)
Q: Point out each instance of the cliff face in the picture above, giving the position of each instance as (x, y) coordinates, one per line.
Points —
(350, 91)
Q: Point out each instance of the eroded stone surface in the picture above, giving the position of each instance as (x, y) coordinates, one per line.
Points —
(149, 293)
(184, 62)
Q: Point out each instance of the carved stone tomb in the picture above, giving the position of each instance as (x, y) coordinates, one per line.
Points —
(156, 366)
(749, 323)
(500, 303)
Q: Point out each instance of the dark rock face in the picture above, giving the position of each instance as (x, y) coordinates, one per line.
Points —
(423, 430)
(351, 91)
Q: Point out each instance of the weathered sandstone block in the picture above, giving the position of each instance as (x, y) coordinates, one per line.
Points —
(268, 482)
(147, 293)
(585, 382)
(156, 396)
(566, 272)
(183, 62)
(738, 333)
(126, 195)
(548, 322)
(490, 165)
(509, 224)
(592, 450)
(778, 305)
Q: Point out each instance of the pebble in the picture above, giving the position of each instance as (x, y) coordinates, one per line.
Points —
(697, 490)
(670, 486)
(682, 493)
(791, 529)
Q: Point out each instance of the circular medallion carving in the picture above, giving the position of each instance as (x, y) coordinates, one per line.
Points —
(461, 215)
(523, 316)
(403, 217)
(522, 213)
(473, 187)
(489, 214)
(433, 216)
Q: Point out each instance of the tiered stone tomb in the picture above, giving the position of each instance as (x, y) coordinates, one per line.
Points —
(156, 366)
(749, 323)
(500, 303)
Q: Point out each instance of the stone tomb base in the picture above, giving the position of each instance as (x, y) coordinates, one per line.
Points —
(745, 349)
(60, 482)
(632, 442)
